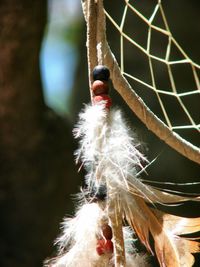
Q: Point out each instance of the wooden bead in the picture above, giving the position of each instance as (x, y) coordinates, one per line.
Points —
(100, 87)
(104, 247)
(108, 246)
(107, 231)
(108, 102)
(101, 72)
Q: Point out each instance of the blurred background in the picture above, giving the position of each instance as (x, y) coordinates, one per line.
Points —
(60, 53)
(43, 85)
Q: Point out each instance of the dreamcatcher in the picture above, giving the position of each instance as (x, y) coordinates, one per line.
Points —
(116, 206)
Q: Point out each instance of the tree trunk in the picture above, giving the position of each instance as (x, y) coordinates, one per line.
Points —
(36, 162)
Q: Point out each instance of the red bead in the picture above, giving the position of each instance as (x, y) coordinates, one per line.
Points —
(107, 231)
(104, 246)
(106, 98)
(100, 87)
(108, 246)
(99, 248)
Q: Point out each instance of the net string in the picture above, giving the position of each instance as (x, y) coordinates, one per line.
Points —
(98, 41)
(166, 60)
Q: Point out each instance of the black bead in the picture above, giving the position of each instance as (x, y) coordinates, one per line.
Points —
(101, 192)
(98, 193)
(101, 72)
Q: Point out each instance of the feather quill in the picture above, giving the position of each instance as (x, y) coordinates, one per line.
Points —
(110, 153)
(77, 244)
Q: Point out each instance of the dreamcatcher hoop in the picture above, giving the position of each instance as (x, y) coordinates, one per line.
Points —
(115, 196)
(99, 52)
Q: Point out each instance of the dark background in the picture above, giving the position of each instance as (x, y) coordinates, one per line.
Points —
(37, 171)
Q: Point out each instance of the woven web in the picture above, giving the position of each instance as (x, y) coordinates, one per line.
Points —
(157, 67)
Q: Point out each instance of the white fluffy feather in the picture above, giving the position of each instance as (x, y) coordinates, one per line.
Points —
(133, 258)
(109, 151)
(77, 244)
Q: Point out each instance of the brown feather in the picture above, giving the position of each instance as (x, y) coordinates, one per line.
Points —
(154, 195)
(137, 219)
(171, 249)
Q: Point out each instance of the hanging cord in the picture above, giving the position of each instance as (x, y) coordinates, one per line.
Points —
(96, 49)
(120, 83)
(89, 10)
